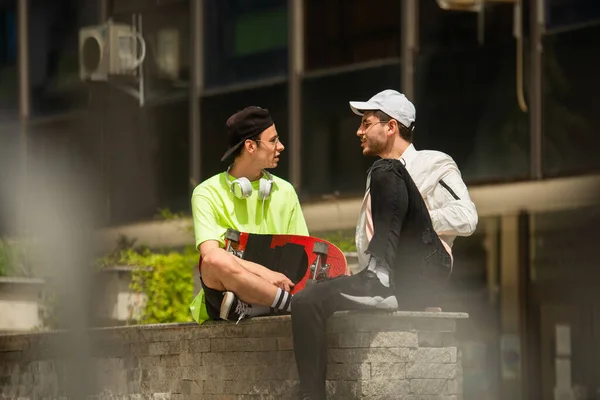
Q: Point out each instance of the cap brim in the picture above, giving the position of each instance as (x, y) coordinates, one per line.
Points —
(231, 150)
(359, 107)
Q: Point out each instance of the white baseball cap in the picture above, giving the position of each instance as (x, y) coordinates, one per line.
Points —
(391, 102)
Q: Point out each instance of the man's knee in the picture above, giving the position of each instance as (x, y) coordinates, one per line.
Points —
(306, 298)
(301, 300)
(217, 268)
(301, 306)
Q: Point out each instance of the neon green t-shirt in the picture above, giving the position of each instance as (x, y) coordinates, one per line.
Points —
(215, 208)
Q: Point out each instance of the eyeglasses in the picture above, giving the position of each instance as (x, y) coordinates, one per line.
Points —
(365, 126)
(273, 141)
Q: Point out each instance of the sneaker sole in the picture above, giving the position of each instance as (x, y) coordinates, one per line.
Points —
(226, 305)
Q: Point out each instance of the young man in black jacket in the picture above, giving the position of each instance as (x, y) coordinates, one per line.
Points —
(403, 241)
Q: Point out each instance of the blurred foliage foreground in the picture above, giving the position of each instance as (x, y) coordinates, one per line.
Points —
(13, 260)
(165, 276)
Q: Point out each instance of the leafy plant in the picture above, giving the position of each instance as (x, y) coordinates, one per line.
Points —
(165, 277)
(187, 225)
(344, 239)
(13, 260)
(168, 215)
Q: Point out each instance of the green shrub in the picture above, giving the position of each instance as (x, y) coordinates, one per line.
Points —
(13, 260)
(344, 239)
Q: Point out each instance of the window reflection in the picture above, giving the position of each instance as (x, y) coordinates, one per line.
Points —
(166, 31)
(562, 14)
(8, 61)
(245, 40)
(570, 101)
(53, 53)
(343, 32)
(466, 93)
(565, 245)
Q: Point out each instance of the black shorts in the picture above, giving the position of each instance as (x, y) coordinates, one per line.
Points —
(213, 299)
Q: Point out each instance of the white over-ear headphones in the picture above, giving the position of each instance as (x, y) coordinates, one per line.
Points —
(242, 188)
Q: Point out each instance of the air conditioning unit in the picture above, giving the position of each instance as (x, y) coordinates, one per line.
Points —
(109, 49)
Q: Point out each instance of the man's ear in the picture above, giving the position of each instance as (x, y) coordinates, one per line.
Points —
(392, 127)
(250, 145)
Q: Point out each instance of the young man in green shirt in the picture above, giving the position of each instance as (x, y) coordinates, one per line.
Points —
(249, 199)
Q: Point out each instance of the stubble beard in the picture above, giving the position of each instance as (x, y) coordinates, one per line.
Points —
(372, 148)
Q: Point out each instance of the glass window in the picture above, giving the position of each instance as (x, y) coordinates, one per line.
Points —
(145, 157)
(561, 14)
(571, 121)
(166, 32)
(217, 108)
(170, 154)
(53, 53)
(9, 80)
(343, 32)
(332, 160)
(466, 95)
(565, 246)
(245, 40)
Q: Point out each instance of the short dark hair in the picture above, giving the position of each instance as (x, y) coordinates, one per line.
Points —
(238, 151)
(406, 132)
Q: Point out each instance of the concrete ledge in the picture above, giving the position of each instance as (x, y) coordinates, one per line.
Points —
(372, 355)
(21, 280)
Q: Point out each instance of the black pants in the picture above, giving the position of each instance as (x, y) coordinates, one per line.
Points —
(311, 308)
(403, 234)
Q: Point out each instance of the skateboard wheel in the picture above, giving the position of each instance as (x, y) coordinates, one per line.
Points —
(320, 248)
(232, 235)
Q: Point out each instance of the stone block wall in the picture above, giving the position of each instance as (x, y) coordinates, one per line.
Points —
(375, 356)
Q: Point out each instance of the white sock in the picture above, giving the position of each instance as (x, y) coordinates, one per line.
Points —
(283, 300)
(256, 310)
(382, 273)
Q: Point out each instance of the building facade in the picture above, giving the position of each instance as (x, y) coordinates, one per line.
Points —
(511, 95)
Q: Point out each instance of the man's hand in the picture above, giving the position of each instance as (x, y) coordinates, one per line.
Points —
(278, 279)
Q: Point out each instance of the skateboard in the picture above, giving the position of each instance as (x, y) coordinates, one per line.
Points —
(305, 260)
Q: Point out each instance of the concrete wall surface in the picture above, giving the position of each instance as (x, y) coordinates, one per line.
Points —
(375, 356)
(20, 303)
